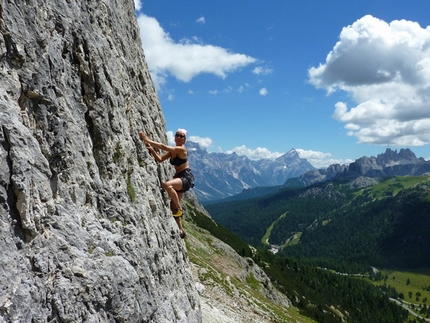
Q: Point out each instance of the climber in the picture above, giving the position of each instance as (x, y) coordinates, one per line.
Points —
(183, 179)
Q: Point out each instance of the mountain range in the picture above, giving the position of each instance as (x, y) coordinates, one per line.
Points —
(220, 175)
(339, 224)
(390, 163)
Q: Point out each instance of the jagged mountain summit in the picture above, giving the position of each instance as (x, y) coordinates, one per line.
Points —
(220, 175)
(389, 163)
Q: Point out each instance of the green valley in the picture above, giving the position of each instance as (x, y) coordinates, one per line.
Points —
(327, 233)
(340, 227)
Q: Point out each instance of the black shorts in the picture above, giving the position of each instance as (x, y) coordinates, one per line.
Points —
(187, 179)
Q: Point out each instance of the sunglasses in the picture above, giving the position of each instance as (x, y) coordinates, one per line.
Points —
(179, 135)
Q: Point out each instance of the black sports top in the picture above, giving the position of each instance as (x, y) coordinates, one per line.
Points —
(177, 161)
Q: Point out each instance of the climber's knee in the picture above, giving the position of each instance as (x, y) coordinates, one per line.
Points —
(165, 185)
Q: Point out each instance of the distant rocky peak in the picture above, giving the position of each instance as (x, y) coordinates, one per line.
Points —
(405, 155)
(292, 153)
(392, 157)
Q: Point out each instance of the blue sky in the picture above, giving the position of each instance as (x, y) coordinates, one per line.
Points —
(335, 80)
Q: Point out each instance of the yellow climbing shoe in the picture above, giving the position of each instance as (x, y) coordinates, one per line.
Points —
(178, 213)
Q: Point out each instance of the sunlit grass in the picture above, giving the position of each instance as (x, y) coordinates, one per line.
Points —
(414, 285)
(266, 237)
(392, 186)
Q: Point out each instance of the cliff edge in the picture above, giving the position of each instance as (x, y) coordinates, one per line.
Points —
(86, 234)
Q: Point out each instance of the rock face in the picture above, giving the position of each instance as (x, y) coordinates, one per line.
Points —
(86, 235)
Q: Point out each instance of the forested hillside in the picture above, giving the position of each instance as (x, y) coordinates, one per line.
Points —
(322, 295)
(337, 226)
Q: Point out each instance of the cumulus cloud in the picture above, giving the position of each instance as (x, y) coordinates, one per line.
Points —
(261, 70)
(385, 68)
(204, 142)
(170, 138)
(201, 20)
(185, 59)
(320, 159)
(137, 5)
(254, 154)
(312, 155)
(264, 91)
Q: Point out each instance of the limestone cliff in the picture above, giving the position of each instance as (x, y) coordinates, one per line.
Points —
(85, 231)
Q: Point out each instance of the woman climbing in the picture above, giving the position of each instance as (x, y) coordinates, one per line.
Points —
(183, 179)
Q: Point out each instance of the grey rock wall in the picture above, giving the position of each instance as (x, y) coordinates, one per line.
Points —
(85, 230)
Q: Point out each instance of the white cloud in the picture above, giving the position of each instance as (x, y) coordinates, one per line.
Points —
(261, 70)
(204, 142)
(201, 20)
(254, 154)
(186, 59)
(385, 67)
(319, 159)
(170, 138)
(264, 91)
(311, 154)
(137, 5)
